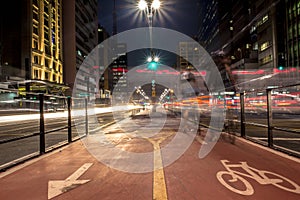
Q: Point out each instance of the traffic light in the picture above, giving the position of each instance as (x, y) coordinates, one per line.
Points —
(153, 63)
(281, 62)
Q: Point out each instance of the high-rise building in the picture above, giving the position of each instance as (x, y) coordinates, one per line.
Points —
(212, 34)
(80, 38)
(106, 79)
(119, 68)
(189, 55)
(292, 57)
(31, 43)
(256, 35)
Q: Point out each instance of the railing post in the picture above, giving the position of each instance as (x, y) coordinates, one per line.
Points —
(242, 105)
(69, 120)
(86, 117)
(42, 125)
(270, 118)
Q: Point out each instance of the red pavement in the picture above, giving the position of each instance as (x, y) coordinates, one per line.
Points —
(188, 178)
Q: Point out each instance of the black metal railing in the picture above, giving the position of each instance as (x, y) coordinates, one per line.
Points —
(256, 120)
(42, 133)
(268, 112)
(41, 136)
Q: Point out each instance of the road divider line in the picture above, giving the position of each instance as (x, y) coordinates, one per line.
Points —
(159, 183)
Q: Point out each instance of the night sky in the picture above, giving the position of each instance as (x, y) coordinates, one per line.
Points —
(178, 15)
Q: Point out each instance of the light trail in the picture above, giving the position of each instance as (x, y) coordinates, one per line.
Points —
(77, 112)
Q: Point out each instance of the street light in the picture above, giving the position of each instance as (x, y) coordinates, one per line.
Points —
(143, 6)
(155, 4)
(150, 11)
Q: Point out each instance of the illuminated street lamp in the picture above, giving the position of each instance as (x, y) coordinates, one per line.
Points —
(143, 6)
(150, 11)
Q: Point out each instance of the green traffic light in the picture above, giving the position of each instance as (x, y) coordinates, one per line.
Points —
(280, 67)
(152, 65)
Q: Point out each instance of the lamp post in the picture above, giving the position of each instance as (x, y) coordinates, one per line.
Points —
(149, 11)
(152, 60)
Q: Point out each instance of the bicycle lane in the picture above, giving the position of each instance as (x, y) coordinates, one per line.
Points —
(72, 173)
(188, 178)
(193, 178)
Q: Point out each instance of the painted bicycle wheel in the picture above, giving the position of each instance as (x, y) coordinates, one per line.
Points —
(235, 183)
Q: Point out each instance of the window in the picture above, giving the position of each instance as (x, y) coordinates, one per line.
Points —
(35, 44)
(35, 16)
(266, 59)
(47, 49)
(35, 2)
(46, 21)
(264, 46)
(35, 30)
(36, 74)
(46, 75)
(36, 59)
(46, 63)
(46, 35)
(46, 10)
(263, 20)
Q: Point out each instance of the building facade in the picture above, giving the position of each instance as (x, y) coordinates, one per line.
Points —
(106, 79)
(259, 37)
(80, 38)
(119, 68)
(31, 43)
(293, 33)
(189, 56)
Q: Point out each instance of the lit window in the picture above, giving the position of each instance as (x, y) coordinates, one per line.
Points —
(264, 46)
(266, 59)
(265, 18)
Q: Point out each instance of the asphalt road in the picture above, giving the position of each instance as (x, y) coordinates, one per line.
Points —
(15, 128)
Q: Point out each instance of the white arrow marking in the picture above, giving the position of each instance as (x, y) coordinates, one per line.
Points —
(56, 188)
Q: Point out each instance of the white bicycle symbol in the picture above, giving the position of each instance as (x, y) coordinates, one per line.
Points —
(261, 176)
